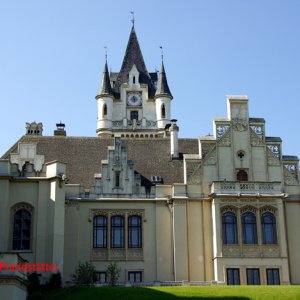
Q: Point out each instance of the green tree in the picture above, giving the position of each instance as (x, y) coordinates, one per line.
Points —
(84, 274)
(113, 273)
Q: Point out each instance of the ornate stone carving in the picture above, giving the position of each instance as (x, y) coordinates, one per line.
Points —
(193, 170)
(258, 130)
(99, 254)
(211, 158)
(228, 208)
(275, 149)
(268, 208)
(248, 208)
(231, 251)
(270, 251)
(256, 141)
(225, 140)
(117, 254)
(206, 148)
(221, 130)
(27, 153)
(239, 124)
(135, 254)
(289, 179)
(293, 169)
(251, 251)
(272, 159)
(22, 206)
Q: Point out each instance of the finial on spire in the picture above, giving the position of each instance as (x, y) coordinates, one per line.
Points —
(161, 53)
(132, 20)
(105, 47)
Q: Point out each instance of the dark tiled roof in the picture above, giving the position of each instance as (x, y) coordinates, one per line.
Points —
(83, 156)
(273, 139)
(105, 88)
(290, 157)
(162, 84)
(133, 55)
(257, 120)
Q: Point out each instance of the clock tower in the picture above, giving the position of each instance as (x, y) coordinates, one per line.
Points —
(134, 103)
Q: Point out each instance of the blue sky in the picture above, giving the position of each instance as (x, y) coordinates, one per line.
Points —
(52, 56)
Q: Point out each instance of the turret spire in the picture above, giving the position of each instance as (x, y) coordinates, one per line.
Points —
(105, 88)
(162, 84)
(133, 56)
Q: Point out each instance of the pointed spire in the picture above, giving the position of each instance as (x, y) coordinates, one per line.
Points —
(133, 56)
(105, 88)
(162, 84)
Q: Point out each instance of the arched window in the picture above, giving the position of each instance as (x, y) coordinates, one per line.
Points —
(104, 111)
(163, 111)
(134, 232)
(117, 232)
(229, 228)
(268, 226)
(100, 232)
(242, 175)
(249, 228)
(22, 229)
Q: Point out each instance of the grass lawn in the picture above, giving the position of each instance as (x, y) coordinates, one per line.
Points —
(173, 293)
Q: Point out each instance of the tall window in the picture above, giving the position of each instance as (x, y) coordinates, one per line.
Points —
(242, 175)
(268, 225)
(100, 232)
(22, 230)
(233, 276)
(249, 228)
(100, 277)
(253, 277)
(117, 179)
(273, 277)
(134, 232)
(117, 232)
(104, 111)
(134, 115)
(135, 276)
(229, 228)
(163, 111)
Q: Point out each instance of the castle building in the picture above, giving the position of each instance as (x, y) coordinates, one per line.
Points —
(223, 209)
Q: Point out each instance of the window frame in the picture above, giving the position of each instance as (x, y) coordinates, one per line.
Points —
(226, 227)
(271, 279)
(245, 229)
(134, 273)
(104, 229)
(272, 227)
(133, 227)
(235, 275)
(21, 239)
(250, 275)
(114, 228)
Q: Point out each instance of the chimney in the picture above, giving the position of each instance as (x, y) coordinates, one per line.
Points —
(174, 129)
(60, 129)
(34, 128)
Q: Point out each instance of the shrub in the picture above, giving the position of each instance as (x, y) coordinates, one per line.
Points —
(84, 274)
(113, 273)
(33, 282)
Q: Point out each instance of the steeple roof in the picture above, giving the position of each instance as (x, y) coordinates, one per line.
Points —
(133, 55)
(105, 88)
(162, 84)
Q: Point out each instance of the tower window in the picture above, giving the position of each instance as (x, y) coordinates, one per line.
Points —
(117, 179)
(163, 111)
(21, 230)
(242, 175)
(133, 79)
(105, 111)
(134, 115)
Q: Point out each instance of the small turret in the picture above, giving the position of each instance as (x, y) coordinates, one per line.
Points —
(163, 99)
(105, 99)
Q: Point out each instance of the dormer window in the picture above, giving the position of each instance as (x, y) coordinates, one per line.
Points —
(117, 179)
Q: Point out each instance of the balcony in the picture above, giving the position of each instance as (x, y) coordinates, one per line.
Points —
(249, 187)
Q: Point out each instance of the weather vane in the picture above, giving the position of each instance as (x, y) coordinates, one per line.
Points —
(161, 52)
(132, 20)
(105, 47)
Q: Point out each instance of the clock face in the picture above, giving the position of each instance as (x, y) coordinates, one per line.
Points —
(134, 98)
